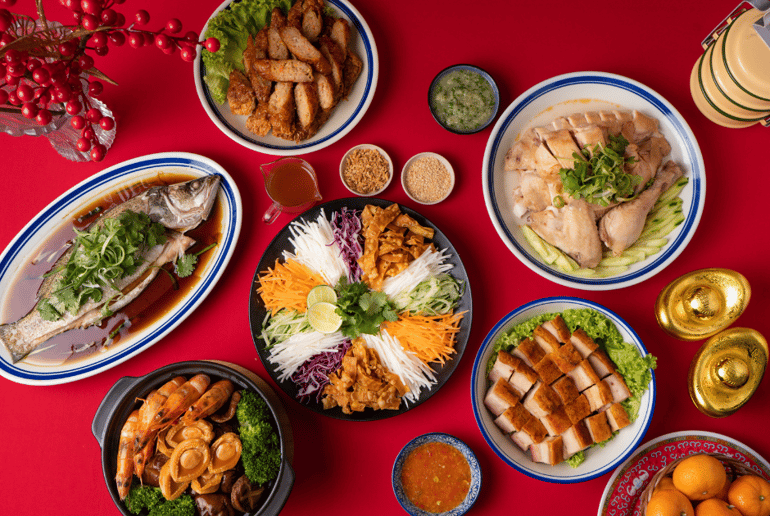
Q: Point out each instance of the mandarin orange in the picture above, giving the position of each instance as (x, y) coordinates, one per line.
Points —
(669, 502)
(722, 494)
(751, 495)
(663, 484)
(716, 507)
(700, 477)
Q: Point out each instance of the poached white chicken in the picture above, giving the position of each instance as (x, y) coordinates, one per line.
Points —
(577, 226)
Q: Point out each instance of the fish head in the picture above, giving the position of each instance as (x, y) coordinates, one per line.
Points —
(182, 206)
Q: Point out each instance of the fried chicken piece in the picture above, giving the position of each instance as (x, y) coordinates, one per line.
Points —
(283, 70)
(350, 72)
(281, 110)
(259, 121)
(256, 48)
(306, 100)
(303, 49)
(240, 95)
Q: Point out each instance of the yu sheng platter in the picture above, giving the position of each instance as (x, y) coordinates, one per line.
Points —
(360, 309)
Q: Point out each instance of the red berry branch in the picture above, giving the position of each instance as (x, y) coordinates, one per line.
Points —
(47, 68)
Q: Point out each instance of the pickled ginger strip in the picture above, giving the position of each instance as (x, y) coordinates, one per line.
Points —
(291, 353)
(413, 372)
(429, 263)
(314, 247)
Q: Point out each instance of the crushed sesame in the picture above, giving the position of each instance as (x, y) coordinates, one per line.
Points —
(427, 179)
(366, 171)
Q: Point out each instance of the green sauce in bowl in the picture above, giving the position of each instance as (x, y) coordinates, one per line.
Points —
(463, 100)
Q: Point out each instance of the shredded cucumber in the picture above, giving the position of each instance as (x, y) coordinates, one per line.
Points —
(436, 295)
(662, 219)
(282, 325)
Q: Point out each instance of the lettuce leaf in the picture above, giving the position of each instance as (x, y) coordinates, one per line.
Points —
(232, 27)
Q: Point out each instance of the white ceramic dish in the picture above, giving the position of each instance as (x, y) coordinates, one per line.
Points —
(578, 92)
(599, 460)
(29, 240)
(621, 496)
(383, 154)
(443, 161)
(345, 115)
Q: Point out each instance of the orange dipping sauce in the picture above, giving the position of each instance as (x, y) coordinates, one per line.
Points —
(436, 477)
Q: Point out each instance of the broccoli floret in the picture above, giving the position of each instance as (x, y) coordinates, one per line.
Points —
(143, 497)
(182, 506)
(261, 455)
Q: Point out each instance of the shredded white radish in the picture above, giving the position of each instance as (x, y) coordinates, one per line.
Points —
(290, 354)
(315, 248)
(413, 372)
(428, 264)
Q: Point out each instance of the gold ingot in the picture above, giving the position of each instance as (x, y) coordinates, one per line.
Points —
(702, 303)
(726, 371)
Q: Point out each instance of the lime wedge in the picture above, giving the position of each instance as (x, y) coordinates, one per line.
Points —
(323, 318)
(321, 294)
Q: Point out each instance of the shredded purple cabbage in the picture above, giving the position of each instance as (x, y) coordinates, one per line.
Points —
(346, 225)
(313, 375)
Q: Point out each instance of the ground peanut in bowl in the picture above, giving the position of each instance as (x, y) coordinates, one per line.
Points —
(366, 171)
(427, 180)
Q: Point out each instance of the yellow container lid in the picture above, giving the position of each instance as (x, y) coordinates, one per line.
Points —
(746, 55)
(704, 105)
(719, 99)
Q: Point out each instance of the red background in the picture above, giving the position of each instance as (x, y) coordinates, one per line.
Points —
(51, 462)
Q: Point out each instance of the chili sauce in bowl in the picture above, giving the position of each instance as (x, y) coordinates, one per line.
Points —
(434, 474)
(463, 99)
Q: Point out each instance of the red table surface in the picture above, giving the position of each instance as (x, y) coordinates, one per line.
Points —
(51, 461)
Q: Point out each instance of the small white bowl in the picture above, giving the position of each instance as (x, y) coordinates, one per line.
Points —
(599, 460)
(443, 161)
(382, 153)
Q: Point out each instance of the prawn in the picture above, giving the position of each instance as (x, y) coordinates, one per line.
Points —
(125, 467)
(175, 405)
(216, 396)
(147, 413)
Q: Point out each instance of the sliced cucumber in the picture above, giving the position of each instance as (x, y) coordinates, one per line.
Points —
(614, 261)
(566, 264)
(546, 251)
(674, 189)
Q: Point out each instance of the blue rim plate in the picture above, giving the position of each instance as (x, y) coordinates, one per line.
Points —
(599, 460)
(58, 213)
(578, 92)
(398, 465)
(345, 115)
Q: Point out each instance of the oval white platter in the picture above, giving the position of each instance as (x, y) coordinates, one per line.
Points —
(579, 92)
(30, 239)
(345, 115)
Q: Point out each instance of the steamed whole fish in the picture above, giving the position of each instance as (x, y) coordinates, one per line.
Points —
(178, 208)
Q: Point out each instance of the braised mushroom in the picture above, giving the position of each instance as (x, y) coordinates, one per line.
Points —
(189, 460)
(213, 505)
(170, 488)
(229, 478)
(151, 473)
(225, 453)
(245, 496)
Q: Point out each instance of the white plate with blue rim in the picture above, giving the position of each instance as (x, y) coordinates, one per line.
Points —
(64, 359)
(345, 116)
(579, 92)
(599, 460)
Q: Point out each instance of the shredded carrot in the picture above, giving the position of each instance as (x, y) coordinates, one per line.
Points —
(287, 286)
(430, 337)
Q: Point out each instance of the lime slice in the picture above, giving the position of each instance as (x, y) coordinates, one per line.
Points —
(323, 318)
(321, 294)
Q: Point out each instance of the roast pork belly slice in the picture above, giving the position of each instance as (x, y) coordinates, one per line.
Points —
(618, 387)
(547, 369)
(575, 439)
(550, 451)
(578, 409)
(599, 427)
(503, 367)
(513, 419)
(583, 375)
(541, 400)
(545, 339)
(523, 378)
(557, 422)
(533, 432)
(558, 328)
(567, 357)
(601, 363)
(501, 396)
(582, 342)
(617, 417)
(529, 351)
(599, 396)
(566, 389)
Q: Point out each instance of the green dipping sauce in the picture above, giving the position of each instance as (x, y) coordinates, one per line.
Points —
(463, 100)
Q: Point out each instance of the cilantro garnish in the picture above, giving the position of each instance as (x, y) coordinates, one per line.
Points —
(598, 175)
(185, 264)
(362, 310)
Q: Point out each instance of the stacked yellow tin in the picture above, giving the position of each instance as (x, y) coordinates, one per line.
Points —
(730, 82)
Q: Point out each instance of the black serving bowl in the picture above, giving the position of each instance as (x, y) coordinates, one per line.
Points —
(469, 68)
(123, 398)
